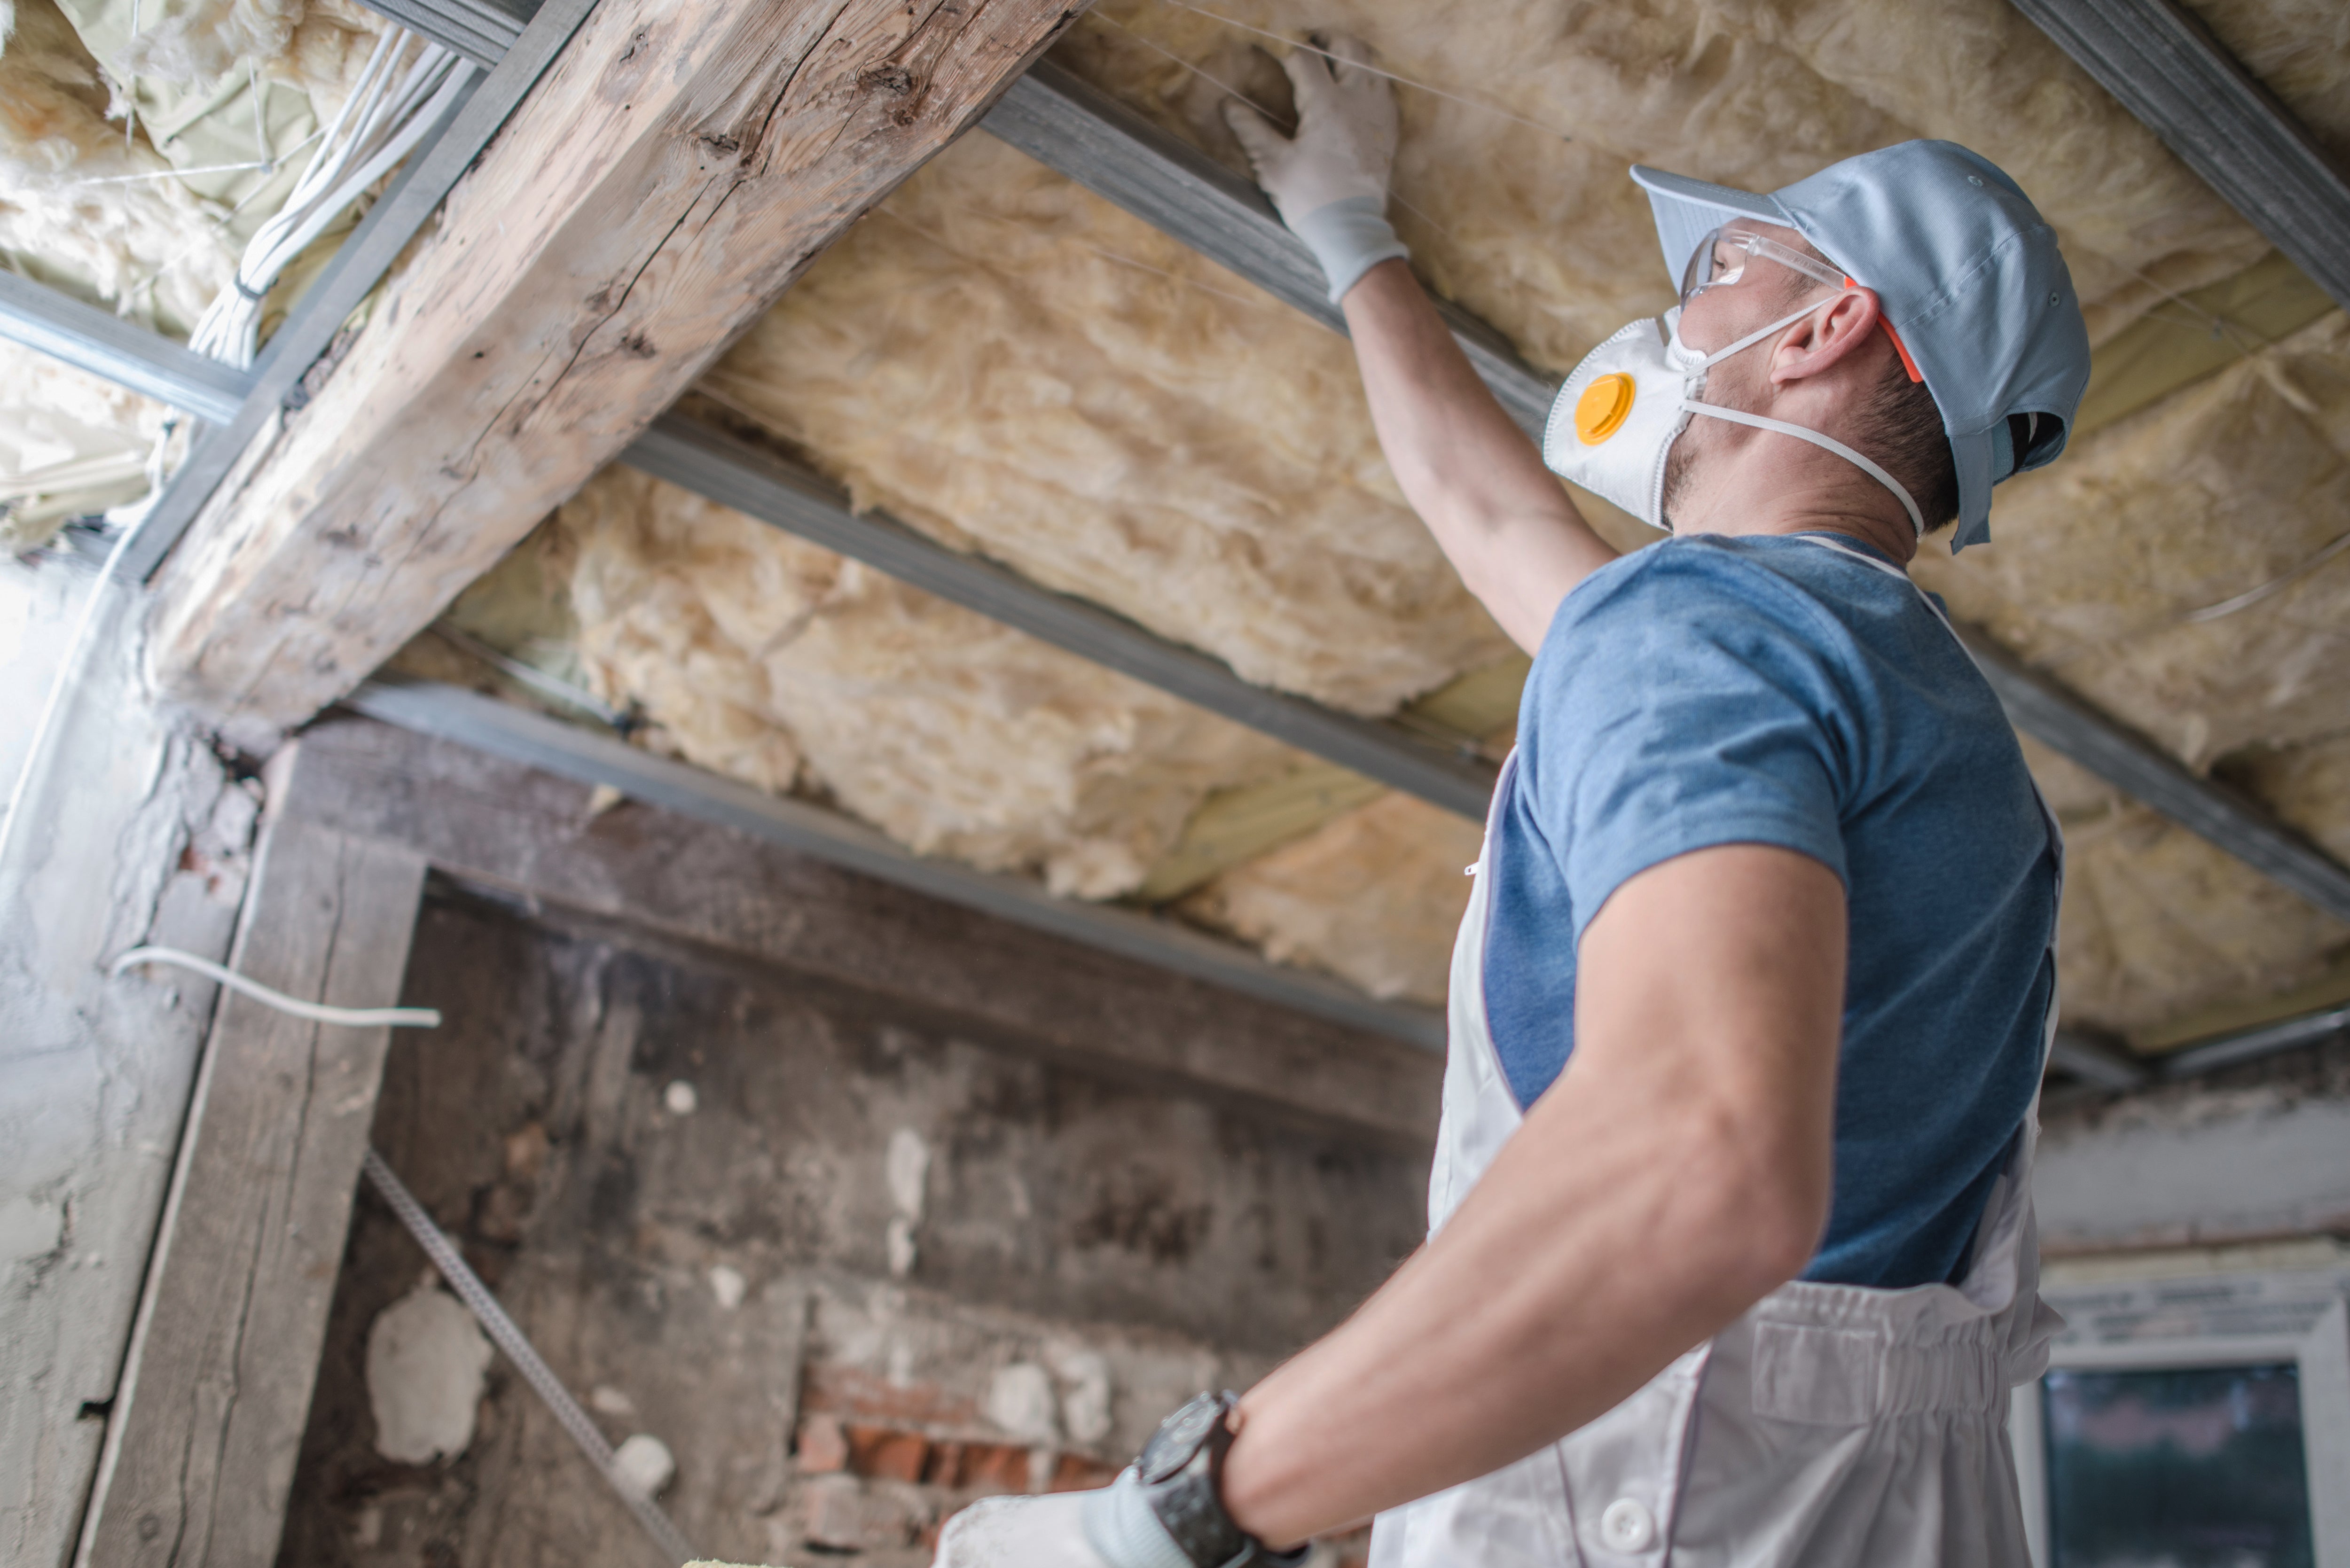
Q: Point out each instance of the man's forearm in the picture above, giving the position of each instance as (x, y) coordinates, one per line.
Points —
(1471, 474)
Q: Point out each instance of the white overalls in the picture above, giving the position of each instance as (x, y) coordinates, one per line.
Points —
(1831, 1427)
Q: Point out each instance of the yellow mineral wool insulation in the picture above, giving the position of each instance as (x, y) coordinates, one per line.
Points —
(1018, 368)
(2157, 924)
(149, 246)
(2308, 786)
(777, 662)
(2105, 561)
(2300, 49)
(69, 445)
(149, 217)
(1374, 897)
(1548, 239)
(316, 47)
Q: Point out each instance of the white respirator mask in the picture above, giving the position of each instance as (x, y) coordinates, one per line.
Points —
(1618, 415)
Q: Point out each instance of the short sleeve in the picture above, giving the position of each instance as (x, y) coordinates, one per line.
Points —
(1688, 713)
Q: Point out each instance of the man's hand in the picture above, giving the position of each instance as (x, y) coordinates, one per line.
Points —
(1019, 1532)
(1329, 182)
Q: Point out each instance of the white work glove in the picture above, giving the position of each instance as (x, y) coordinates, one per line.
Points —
(1329, 182)
(1109, 1528)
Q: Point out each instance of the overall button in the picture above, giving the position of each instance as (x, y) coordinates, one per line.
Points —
(1628, 1526)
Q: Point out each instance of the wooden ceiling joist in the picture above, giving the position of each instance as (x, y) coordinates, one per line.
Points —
(673, 170)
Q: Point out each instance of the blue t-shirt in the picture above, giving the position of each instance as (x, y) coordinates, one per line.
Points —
(1713, 691)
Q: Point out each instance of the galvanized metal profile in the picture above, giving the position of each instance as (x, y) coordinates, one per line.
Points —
(414, 195)
(476, 29)
(2096, 1062)
(1079, 131)
(735, 473)
(119, 351)
(2165, 66)
(2147, 774)
(501, 729)
(2249, 1044)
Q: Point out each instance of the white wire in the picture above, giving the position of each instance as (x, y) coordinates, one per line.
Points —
(387, 112)
(510, 1338)
(317, 1012)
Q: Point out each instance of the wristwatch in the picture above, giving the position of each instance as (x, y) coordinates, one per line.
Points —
(1180, 1474)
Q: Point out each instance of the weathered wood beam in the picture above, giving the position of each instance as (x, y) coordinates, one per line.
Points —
(586, 756)
(672, 172)
(201, 1441)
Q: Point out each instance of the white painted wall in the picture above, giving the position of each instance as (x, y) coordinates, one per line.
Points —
(133, 834)
(2186, 1166)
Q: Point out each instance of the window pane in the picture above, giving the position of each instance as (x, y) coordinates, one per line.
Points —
(2185, 1467)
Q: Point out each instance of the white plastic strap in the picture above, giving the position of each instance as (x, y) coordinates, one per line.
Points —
(1763, 422)
(1751, 338)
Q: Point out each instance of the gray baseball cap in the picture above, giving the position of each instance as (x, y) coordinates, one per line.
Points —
(1966, 270)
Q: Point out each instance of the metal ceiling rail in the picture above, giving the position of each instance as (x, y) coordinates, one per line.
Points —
(1076, 128)
(415, 194)
(2147, 774)
(2166, 68)
(502, 728)
(735, 473)
(2103, 1066)
(477, 29)
(117, 351)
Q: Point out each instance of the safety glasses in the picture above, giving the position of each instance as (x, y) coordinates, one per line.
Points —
(1723, 256)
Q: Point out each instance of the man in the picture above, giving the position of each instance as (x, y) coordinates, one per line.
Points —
(1752, 998)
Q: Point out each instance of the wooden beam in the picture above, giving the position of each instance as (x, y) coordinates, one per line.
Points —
(2167, 69)
(759, 884)
(673, 170)
(201, 1443)
(588, 757)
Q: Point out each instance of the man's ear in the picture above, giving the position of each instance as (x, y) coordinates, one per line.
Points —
(1828, 337)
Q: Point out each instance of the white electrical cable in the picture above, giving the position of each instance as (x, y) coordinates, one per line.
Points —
(509, 1337)
(387, 114)
(503, 1330)
(317, 1011)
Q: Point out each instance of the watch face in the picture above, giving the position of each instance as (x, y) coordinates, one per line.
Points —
(1177, 1440)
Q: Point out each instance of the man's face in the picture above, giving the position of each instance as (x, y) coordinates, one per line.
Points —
(1765, 291)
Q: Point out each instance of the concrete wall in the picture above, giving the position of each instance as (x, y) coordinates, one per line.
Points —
(2262, 1151)
(132, 832)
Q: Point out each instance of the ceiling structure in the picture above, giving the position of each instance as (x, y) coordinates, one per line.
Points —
(1015, 368)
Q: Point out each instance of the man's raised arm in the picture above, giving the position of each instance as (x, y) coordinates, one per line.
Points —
(1479, 484)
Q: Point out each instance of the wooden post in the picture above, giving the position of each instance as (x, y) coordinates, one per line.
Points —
(201, 1444)
(679, 165)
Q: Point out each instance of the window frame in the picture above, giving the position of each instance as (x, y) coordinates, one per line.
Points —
(2205, 1316)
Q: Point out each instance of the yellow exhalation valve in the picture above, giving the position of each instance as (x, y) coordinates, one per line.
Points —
(1602, 409)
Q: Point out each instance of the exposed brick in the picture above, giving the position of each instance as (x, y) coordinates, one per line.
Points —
(823, 1446)
(887, 1453)
(1076, 1472)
